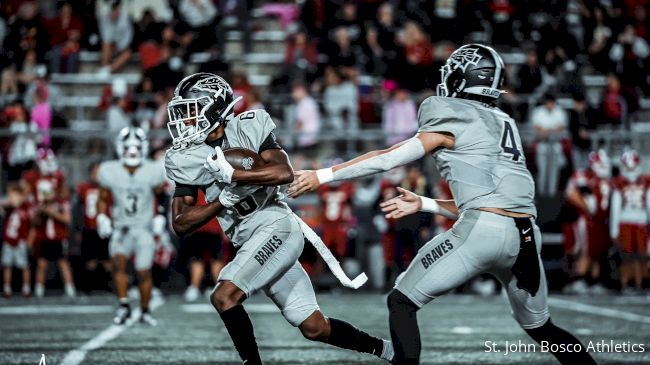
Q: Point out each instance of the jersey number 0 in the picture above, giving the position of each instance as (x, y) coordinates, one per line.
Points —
(508, 142)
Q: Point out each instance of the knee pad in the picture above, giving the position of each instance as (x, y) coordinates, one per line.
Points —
(397, 299)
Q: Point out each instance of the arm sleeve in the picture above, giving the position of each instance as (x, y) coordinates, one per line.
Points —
(182, 190)
(270, 143)
(407, 152)
(436, 114)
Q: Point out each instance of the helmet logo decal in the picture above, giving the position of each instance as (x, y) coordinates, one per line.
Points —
(464, 57)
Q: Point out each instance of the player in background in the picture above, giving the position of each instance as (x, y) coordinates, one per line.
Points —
(207, 245)
(16, 212)
(94, 249)
(49, 236)
(131, 183)
(46, 171)
(476, 147)
(589, 192)
(629, 221)
(268, 235)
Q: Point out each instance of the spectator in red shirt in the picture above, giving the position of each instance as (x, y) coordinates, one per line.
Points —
(16, 230)
(65, 32)
(418, 52)
(614, 106)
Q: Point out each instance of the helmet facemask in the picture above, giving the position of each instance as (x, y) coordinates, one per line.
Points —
(132, 146)
(631, 166)
(599, 163)
(46, 161)
(192, 119)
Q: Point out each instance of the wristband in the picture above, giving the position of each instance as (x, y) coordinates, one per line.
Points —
(429, 205)
(325, 175)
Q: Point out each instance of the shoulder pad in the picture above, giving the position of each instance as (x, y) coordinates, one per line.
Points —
(249, 129)
(106, 172)
(185, 166)
(442, 114)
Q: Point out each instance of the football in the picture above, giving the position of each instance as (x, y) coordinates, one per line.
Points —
(243, 159)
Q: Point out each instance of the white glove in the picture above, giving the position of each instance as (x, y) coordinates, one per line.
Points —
(158, 225)
(232, 195)
(592, 204)
(219, 167)
(104, 226)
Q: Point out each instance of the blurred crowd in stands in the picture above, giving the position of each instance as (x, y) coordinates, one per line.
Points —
(347, 66)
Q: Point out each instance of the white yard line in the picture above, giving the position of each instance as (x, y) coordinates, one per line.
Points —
(76, 356)
(600, 311)
(55, 309)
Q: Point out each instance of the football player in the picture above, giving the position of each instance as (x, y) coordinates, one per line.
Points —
(94, 249)
(477, 149)
(589, 192)
(49, 235)
(16, 224)
(47, 171)
(629, 220)
(267, 234)
(131, 183)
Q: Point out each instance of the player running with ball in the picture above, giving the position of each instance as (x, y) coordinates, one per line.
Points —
(476, 147)
(250, 210)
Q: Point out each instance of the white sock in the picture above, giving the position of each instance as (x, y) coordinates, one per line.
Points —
(39, 289)
(26, 289)
(70, 290)
(388, 353)
(7, 288)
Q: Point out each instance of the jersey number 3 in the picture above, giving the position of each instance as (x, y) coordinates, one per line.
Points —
(508, 142)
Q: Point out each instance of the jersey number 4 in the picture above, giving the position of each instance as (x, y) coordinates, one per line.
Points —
(508, 142)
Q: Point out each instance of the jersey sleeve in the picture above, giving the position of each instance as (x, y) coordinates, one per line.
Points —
(252, 129)
(436, 114)
(158, 176)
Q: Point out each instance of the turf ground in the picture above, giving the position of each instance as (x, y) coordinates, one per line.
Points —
(454, 331)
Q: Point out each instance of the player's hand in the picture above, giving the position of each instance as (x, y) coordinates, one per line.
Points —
(406, 203)
(304, 181)
(219, 167)
(158, 225)
(104, 226)
(232, 195)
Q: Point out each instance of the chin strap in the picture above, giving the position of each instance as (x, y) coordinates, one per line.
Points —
(329, 259)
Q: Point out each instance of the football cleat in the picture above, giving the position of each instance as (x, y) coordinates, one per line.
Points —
(122, 315)
(192, 294)
(147, 318)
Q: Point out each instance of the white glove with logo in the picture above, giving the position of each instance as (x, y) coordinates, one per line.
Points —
(219, 167)
(233, 194)
(104, 226)
(158, 225)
